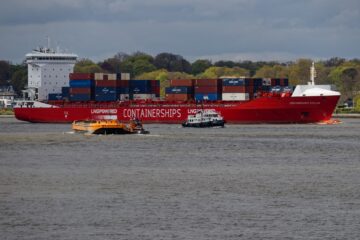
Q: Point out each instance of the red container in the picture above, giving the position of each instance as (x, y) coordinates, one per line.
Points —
(181, 83)
(178, 97)
(81, 76)
(122, 83)
(206, 89)
(80, 90)
(155, 89)
(105, 83)
(234, 89)
(207, 82)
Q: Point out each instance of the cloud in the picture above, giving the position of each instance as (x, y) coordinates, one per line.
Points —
(246, 28)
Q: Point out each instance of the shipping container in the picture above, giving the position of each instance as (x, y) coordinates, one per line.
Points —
(178, 97)
(207, 96)
(181, 82)
(111, 76)
(233, 82)
(124, 97)
(84, 83)
(65, 91)
(207, 89)
(234, 89)
(143, 96)
(235, 96)
(105, 91)
(179, 90)
(106, 83)
(275, 82)
(123, 90)
(123, 76)
(80, 90)
(55, 96)
(123, 83)
(99, 76)
(140, 86)
(106, 97)
(80, 97)
(81, 76)
(266, 82)
(207, 82)
(284, 82)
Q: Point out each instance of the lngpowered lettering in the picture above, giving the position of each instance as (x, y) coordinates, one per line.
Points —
(152, 113)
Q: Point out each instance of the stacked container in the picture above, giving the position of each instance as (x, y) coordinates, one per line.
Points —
(207, 89)
(105, 87)
(81, 86)
(143, 89)
(180, 90)
(235, 89)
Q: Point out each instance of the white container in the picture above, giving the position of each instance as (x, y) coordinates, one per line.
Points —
(125, 76)
(124, 97)
(99, 76)
(143, 96)
(266, 82)
(235, 96)
(111, 76)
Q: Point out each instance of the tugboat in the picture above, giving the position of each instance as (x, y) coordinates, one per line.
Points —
(204, 118)
(109, 127)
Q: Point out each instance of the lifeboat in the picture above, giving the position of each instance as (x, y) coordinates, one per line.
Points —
(109, 127)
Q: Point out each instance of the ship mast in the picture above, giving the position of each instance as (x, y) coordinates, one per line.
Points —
(312, 74)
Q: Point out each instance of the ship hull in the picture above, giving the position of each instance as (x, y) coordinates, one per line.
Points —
(260, 110)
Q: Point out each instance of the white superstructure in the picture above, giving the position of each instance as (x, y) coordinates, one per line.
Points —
(48, 72)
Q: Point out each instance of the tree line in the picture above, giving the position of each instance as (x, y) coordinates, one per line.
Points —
(343, 73)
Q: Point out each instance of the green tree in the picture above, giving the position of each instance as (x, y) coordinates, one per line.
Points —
(172, 63)
(19, 79)
(216, 72)
(5, 72)
(276, 71)
(200, 66)
(299, 73)
(87, 66)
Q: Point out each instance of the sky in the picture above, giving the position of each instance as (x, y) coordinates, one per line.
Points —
(279, 30)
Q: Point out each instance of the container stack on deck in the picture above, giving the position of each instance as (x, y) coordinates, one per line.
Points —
(81, 87)
(180, 90)
(207, 89)
(105, 87)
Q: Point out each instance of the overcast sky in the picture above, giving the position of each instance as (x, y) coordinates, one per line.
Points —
(213, 29)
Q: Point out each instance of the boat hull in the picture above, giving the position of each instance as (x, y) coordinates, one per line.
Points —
(260, 110)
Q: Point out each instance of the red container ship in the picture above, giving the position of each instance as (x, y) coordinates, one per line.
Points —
(314, 105)
(114, 96)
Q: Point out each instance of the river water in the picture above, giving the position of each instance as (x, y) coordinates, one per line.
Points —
(237, 182)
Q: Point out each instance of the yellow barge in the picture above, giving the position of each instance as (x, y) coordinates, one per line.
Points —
(108, 127)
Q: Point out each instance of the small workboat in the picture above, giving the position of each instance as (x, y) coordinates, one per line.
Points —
(204, 118)
(109, 127)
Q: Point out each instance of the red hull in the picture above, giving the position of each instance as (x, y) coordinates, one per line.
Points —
(261, 110)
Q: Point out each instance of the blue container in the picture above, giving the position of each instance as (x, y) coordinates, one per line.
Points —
(180, 90)
(55, 96)
(233, 82)
(81, 83)
(257, 81)
(266, 88)
(106, 98)
(80, 97)
(123, 90)
(286, 82)
(207, 96)
(140, 86)
(105, 91)
(65, 91)
(277, 89)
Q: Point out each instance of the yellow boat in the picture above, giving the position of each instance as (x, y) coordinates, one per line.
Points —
(108, 127)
